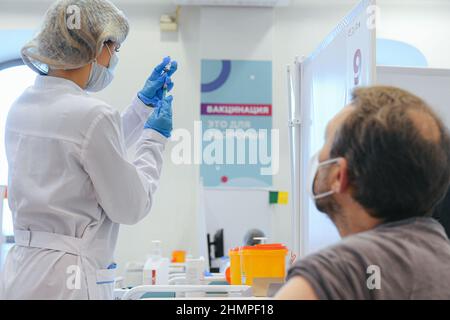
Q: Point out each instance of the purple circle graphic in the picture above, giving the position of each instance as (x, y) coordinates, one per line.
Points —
(220, 80)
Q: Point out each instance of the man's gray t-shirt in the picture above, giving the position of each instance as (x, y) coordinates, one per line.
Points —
(411, 258)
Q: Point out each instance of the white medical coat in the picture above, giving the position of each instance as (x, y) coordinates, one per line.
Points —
(71, 185)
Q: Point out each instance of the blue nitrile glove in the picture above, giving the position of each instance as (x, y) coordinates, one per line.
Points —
(161, 119)
(158, 83)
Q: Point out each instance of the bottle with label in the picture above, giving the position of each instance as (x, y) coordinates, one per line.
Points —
(195, 271)
(156, 268)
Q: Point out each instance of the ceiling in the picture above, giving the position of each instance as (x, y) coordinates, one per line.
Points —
(320, 2)
(41, 3)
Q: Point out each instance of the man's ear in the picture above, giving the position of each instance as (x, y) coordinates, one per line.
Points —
(340, 176)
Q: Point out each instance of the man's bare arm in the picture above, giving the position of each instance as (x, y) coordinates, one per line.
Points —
(298, 288)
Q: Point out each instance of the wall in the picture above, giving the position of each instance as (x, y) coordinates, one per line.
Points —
(294, 31)
(426, 27)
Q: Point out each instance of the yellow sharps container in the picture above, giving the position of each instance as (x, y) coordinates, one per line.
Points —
(262, 261)
(235, 266)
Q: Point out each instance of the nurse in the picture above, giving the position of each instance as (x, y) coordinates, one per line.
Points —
(71, 183)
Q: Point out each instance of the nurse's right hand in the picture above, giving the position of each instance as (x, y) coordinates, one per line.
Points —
(154, 86)
(161, 119)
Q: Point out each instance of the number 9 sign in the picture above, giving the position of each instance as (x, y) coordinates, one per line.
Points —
(357, 62)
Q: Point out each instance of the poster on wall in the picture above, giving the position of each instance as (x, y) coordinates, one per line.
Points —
(236, 117)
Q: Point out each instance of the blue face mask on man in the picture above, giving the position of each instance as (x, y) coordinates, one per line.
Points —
(100, 76)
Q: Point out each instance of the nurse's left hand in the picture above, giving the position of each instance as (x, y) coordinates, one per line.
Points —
(158, 83)
(161, 119)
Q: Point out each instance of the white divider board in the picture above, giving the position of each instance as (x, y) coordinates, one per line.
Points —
(432, 85)
(2, 239)
(236, 211)
(294, 146)
(325, 79)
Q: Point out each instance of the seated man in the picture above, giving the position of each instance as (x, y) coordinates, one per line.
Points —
(383, 169)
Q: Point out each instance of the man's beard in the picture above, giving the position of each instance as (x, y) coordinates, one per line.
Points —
(328, 204)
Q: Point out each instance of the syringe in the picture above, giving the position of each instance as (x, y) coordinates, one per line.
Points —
(165, 71)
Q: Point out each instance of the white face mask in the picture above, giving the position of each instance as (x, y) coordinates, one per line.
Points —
(314, 166)
(100, 76)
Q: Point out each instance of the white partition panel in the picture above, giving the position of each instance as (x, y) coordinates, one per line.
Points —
(325, 80)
